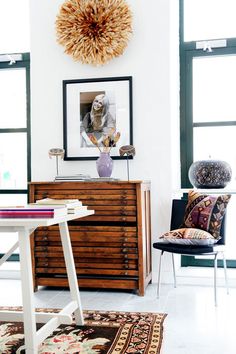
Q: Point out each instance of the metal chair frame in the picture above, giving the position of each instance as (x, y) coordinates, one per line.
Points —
(218, 249)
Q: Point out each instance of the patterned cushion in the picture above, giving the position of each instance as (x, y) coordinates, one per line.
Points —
(188, 236)
(205, 212)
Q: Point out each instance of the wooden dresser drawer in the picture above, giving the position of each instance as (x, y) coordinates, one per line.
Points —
(112, 246)
(109, 203)
(89, 235)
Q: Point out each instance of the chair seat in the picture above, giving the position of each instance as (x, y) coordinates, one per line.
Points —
(177, 216)
(186, 249)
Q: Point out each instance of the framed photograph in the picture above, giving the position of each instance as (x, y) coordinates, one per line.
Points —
(98, 107)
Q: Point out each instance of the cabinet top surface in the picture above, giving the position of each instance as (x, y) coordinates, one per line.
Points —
(100, 182)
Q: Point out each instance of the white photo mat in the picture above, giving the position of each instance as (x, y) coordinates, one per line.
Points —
(119, 93)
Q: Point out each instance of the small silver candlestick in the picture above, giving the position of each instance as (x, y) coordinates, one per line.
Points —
(128, 150)
(58, 153)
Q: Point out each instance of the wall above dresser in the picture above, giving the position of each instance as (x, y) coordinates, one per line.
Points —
(151, 58)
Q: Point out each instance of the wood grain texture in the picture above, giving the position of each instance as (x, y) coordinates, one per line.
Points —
(112, 248)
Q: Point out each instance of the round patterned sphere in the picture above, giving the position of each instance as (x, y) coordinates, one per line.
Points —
(210, 174)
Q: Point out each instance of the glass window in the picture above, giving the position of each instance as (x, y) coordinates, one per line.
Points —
(215, 143)
(214, 87)
(209, 19)
(14, 109)
(13, 161)
(13, 89)
(230, 229)
(13, 199)
(14, 26)
(9, 238)
(207, 96)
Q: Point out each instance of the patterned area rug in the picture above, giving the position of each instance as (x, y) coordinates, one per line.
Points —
(103, 332)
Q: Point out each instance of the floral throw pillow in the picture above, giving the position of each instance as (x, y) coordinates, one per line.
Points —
(188, 236)
(205, 212)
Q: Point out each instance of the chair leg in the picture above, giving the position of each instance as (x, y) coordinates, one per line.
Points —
(173, 263)
(159, 276)
(225, 271)
(215, 279)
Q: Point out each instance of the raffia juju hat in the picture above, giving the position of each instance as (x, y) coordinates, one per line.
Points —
(94, 32)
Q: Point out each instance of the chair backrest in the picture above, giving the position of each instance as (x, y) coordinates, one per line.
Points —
(177, 217)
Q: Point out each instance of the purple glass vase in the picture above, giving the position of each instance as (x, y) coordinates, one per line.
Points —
(104, 165)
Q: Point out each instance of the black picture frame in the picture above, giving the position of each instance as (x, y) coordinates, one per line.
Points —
(78, 98)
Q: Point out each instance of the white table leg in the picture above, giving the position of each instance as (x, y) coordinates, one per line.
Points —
(27, 292)
(71, 272)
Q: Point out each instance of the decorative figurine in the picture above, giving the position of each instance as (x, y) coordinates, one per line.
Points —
(128, 150)
(56, 152)
(210, 174)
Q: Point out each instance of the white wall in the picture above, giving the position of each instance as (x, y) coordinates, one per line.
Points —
(151, 58)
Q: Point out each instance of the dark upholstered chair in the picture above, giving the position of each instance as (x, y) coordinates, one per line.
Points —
(177, 215)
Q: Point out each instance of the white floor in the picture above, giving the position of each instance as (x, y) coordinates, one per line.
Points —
(193, 325)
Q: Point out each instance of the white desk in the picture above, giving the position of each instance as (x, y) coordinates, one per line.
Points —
(25, 227)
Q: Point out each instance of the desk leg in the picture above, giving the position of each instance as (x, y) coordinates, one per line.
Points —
(27, 292)
(71, 272)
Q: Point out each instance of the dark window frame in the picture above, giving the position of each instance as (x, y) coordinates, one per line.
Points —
(188, 51)
(23, 63)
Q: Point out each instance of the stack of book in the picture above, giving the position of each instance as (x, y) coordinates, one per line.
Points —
(78, 177)
(31, 211)
(71, 205)
(103, 179)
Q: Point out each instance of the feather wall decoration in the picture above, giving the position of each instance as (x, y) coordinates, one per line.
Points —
(92, 31)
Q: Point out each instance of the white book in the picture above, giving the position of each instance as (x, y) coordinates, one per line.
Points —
(58, 210)
(45, 206)
(64, 202)
(76, 209)
(72, 180)
(72, 176)
(34, 210)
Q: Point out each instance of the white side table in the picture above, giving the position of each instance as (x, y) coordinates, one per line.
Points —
(24, 227)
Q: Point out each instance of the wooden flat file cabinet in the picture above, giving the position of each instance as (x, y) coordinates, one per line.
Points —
(112, 248)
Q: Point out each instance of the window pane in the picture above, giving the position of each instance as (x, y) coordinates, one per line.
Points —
(216, 143)
(214, 87)
(209, 19)
(13, 161)
(13, 199)
(9, 238)
(13, 98)
(230, 229)
(14, 26)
